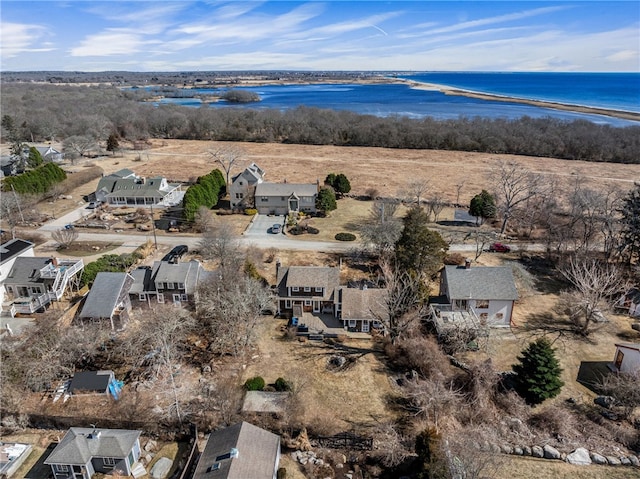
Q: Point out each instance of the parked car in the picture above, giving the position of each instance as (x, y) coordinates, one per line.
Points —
(93, 205)
(499, 248)
(276, 229)
(176, 253)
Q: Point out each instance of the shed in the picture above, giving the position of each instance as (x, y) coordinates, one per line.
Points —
(627, 358)
(91, 382)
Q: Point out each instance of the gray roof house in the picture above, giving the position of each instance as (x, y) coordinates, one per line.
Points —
(361, 309)
(241, 451)
(283, 198)
(125, 188)
(313, 288)
(488, 292)
(34, 282)
(49, 153)
(243, 185)
(82, 452)
(167, 282)
(109, 300)
(9, 252)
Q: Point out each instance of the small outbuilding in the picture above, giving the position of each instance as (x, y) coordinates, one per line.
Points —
(627, 358)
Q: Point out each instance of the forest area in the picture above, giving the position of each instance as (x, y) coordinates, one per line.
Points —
(90, 114)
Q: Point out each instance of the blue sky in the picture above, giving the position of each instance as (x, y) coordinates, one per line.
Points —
(421, 35)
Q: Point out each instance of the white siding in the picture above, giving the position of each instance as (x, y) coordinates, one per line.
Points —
(498, 313)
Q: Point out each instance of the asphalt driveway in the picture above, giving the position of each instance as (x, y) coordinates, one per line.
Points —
(261, 226)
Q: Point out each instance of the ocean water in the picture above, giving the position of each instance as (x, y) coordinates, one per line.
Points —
(402, 100)
(617, 91)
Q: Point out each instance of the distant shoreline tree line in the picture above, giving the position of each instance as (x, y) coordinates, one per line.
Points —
(42, 112)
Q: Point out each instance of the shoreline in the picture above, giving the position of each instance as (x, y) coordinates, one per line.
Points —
(448, 90)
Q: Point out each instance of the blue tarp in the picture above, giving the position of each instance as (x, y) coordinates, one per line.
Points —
(115, 388)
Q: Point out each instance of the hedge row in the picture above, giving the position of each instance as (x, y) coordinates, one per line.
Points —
(205, 192)
(38, 180)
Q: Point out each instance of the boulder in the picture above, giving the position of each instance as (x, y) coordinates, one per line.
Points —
(161, 468)
(634, 460)
(613, 461)
(579, 457)
(598, 459)
(550, 452)
(506, 449)
(518, 451)
(625, 461)
(526, 451)
(605, 401)
(537, 451)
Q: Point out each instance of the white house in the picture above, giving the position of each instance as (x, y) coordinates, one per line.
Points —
(627, 358)
(243, 186)
(629, 303)
(9, 251)
(488, 291)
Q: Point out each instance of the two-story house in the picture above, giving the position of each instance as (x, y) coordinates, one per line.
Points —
(167, 282)
(83, 452)
(488, 292)
(34, 282)
(9, 251)
(310, 288)
(243, 186)
(285, 198)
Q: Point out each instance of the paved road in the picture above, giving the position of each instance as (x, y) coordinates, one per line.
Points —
(256, 236)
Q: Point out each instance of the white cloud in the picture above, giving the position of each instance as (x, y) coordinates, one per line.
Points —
(19, 38)
(109, 43)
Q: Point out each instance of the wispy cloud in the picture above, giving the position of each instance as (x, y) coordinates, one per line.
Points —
(109, 43)
(20, 38)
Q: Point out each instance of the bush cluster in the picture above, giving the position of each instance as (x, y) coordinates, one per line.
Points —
(345, 237)
(38, 180)
(250, 211)
(282, 385)
(205, 192)
(110, 263)
(254, 384)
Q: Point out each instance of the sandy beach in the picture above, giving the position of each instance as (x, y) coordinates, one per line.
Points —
(447, 90)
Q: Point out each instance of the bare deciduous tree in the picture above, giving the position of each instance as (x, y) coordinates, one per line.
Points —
(242, 299)
(220, 244)
(401, 307)
(203, 219)
(436, 203)
(515, 185)
(79, 144)
(65, 237)
(416, 189)
(625, 388)
(382, 229)
(594, 282)
(226, 157)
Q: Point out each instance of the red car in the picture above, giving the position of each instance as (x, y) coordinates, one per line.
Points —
(499, 248)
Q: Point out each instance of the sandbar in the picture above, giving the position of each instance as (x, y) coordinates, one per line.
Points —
(447, 90)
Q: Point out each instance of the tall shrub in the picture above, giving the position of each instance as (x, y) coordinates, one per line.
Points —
(538, 373)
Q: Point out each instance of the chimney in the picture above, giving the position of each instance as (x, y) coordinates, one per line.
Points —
(278, 264)
(467, 263)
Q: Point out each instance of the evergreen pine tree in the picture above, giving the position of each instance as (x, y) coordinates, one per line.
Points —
(483, 205)
(112, 143)
(538, 373)
(419, 249)
(631, 223)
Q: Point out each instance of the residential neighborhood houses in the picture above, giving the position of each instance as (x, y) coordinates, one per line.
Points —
(316, 306)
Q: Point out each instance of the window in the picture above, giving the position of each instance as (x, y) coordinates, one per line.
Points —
(352, 323)
(109, 461)
(295, 289)
(176, 298)
(240, 183)
(264, 199)
(159, 286)
(180, 285)
(287, 304)
(307, 289)
(183, 297)
(62, 468)
(161, 298)
(170, 286)
(307, 302)
(460, 304)
(142, 297)
(318, 289)
(482, 303)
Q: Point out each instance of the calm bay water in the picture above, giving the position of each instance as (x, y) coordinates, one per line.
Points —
(615, 91)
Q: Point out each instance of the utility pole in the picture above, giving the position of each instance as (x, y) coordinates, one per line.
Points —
(153, 226)
(17, 203)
